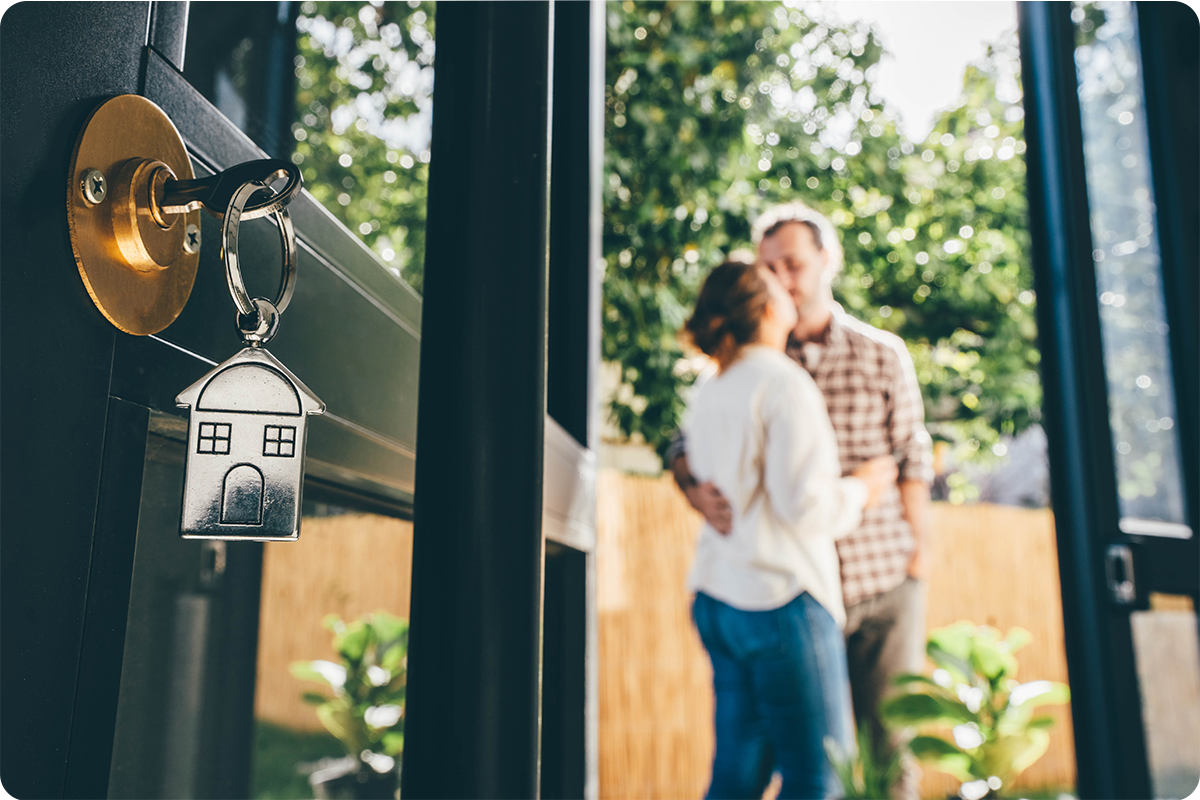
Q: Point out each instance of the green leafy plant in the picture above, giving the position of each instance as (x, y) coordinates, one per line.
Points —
(366, 709)
(868, 773)
(995, 735)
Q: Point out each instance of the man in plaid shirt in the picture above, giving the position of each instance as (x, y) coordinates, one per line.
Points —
(874, 402)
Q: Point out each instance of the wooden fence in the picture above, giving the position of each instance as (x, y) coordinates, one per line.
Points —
(988, 564)
(349, 565)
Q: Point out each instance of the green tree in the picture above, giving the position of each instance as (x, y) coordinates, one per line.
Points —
(717, 111)
(961, 289)
(364, 103)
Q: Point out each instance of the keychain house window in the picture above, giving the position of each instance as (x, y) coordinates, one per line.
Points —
(214, 438)
(279, 440)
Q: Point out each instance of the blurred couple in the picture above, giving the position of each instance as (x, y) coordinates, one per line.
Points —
(804, 448)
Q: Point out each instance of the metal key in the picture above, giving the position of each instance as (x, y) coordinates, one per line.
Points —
(214, 192)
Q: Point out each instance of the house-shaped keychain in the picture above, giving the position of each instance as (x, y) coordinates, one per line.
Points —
(245, 460)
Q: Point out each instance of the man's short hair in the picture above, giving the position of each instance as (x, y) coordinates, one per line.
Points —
(742, 256)
(824, 235)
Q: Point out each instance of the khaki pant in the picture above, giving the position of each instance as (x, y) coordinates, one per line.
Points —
(885, 636)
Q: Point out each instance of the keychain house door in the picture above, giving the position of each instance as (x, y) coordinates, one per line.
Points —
(1112, 129)
(131, 655)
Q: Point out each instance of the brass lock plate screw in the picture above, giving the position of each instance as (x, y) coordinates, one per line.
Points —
(191, 239)
(94, 186)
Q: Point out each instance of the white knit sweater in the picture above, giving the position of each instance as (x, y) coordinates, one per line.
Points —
(760, 433)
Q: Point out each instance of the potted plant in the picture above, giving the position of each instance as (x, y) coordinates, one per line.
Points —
(868, 772)
(366, 709)
(994, 733)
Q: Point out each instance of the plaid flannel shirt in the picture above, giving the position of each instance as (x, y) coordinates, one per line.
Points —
(874, 402)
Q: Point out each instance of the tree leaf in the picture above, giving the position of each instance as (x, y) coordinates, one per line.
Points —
(907, 678)
(1039, 693)
(352, 644)
(393, 743)
(305, 672)
(925, 709)
(944, 756)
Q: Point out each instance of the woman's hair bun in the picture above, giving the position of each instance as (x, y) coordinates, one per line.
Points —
(729, 310)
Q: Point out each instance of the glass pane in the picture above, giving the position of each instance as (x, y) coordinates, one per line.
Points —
(349, 566)
(237, 56)
(1141, 392)
(1166, 648)
(345, 90)
(363, 121)
(188, 668)
(212, 635)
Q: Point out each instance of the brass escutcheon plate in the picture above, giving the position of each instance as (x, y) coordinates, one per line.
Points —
(133, 261)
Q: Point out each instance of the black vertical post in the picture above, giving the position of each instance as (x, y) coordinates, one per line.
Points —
(472, 727)
(56, 63)
(564, 770)
(570, 658)
(1109, 744)
(573, 357)
(110, 575)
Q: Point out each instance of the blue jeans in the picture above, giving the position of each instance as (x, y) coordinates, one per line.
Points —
(782, 687)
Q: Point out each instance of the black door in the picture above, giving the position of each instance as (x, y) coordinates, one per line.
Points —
(129, 654)
(1113, 168)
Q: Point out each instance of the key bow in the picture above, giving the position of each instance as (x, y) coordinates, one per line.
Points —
(215, 192)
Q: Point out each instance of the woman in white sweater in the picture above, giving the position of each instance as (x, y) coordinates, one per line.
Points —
(768, 598)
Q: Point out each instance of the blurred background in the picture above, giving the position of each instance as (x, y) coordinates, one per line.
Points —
(903, 123)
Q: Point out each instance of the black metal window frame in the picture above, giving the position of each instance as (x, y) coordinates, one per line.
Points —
(354, 451)
(1110, 742)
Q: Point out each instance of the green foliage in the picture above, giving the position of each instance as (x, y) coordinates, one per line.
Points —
(973, 690)
(869, 773)
(715, 111)
(364, 97)
(277, 751)
(365, 711)
(971, 326)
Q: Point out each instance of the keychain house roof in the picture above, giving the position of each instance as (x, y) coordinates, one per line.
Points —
(245, 460)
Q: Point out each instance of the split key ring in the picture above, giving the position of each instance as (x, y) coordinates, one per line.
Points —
(262, 314)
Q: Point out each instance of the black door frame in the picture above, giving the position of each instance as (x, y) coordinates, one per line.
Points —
(74, 385)
(502, 663)
(1110, 742)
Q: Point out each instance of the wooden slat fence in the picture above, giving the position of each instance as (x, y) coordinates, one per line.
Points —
(988, 564)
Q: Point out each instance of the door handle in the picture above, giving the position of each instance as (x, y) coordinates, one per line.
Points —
(133, 211)
(1120, 575)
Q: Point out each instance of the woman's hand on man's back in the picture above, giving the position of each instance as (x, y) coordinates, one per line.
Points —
(708, 500)
(704, 497)
(879, 474)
